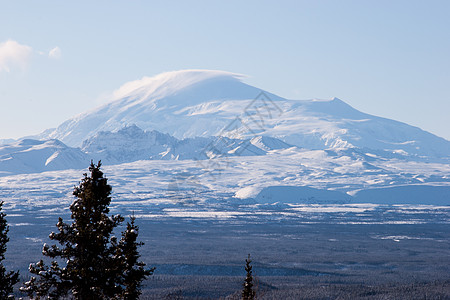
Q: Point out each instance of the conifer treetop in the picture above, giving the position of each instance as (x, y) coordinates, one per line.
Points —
(248, 293)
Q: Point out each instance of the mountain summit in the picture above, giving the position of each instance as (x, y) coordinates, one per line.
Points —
(205, 103)
(195, 86)
(171, 102)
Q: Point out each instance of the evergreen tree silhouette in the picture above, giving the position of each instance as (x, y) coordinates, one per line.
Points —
(248, 293)
(133, 270)
(7, 279)
(96, 264)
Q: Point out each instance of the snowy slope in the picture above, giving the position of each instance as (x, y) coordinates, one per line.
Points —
(6, 141)
(127, 144)
(160, 103)
(202, 103)
(131, 143)
(213, 137)
(300, 194)
(285, 176)
(32, 156)
(411, 194)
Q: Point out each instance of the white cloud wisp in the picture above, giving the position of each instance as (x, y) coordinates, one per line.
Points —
(55, 53)
(13, 54)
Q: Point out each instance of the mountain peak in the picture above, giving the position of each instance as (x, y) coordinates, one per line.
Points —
(167, 83)
(337, 99)
(205, 103)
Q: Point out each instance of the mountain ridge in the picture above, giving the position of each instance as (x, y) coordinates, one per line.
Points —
(215, 124)
(125, 145)
(204, 103)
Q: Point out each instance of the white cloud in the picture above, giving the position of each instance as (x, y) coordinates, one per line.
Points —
(55, 53)
(13, 54)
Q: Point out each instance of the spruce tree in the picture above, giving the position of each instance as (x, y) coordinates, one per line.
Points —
(7, 279)
(95, 262)
(248, 293)
(134, 271)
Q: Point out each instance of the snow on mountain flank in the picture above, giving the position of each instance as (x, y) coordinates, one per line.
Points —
(163, 103)
(31, 156)
(131, 143)
(203, 103)
(196, 124)
(169, 83)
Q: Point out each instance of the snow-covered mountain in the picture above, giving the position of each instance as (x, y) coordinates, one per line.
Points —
(31, 156)
(163, 103)
(202, 103)
(131, 143)
(211, 134)
(127, 144)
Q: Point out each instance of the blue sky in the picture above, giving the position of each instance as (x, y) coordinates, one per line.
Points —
(387, 58)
